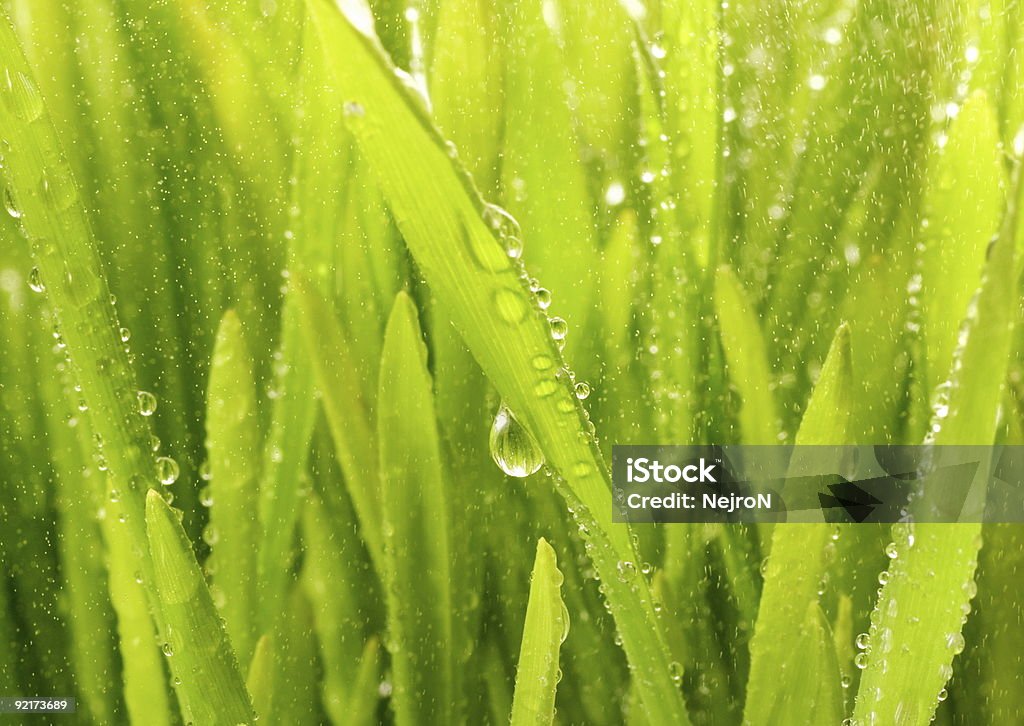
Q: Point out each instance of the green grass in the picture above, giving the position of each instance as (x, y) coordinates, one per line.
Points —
(335, 242)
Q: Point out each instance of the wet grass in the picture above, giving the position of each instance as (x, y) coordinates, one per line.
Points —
(319, 325)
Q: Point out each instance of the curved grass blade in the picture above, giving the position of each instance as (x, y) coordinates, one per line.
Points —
(233, 446)
(547, 624)
(788, 611)
(483, 292)
(44, 196)
(916, 626)
(746, 359)
(415, 527)
(209, 685)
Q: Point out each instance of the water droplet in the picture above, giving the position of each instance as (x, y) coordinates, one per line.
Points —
(861, 661)
(627, 570)
(35, 280)
(543, 298)
(891, 552)
(559, 328)
(512, 447)
(955, 642)
(582, 390)
(10, 206)
(126, 335)
(506, 228)
(167, 649)
(166, 470)
(147, 403)
(675, 669)
(943, 695)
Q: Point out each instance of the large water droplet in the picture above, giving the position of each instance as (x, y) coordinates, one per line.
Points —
(513, 448)
(166, 470)
(147, 403)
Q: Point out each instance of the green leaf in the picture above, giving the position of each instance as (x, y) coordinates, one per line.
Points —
(233, 447)
(209, 685)
(348, 412)
(789, 611)
(963, 205)
(415, 527)
(260, 679)
(916, 626)
(482, 291)
(547, 624)
(746, 359)
(811, 692)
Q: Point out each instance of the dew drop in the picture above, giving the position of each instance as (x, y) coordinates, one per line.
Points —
(582, 390)
(167, 649)
(35, 280)
(147, 403)
(891, 552)
(675, 670)
(166, 470)
(543, 296)
(10, 206)
(512, 447)
(559, 328)
(861, 661)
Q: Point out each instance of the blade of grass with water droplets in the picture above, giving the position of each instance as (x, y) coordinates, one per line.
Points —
(547, 623)
(43, 194)
(916, 625)
(788, 610)
(208, 682)
(962, 204)
(481, 290)
(542, 173)
(233, 446)
(415, 527)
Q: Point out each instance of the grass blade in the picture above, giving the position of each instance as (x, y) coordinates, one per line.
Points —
(547, 624)
(963, 207)
(233, 445)
(347, 411)
(916, 626)
(481, 290)
(209, 685)
(788, 610)
(415, 527)
(746, 358)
